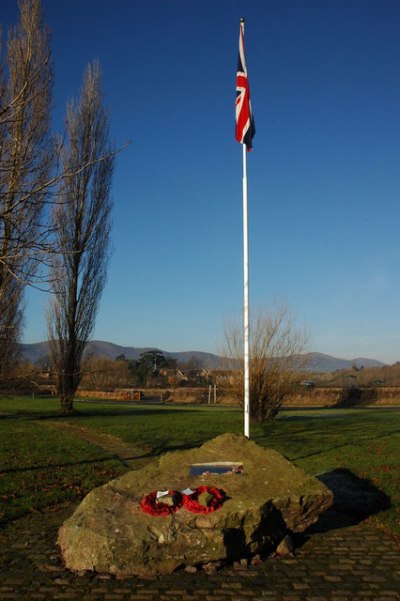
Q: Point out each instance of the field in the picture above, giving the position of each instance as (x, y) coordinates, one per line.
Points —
(44, 461)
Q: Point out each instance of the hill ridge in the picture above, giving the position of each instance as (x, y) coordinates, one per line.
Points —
(38, 353)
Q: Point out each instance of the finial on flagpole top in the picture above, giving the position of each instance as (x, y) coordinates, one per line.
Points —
(242, 19)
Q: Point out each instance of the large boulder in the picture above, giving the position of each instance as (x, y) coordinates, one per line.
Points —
(109, 532)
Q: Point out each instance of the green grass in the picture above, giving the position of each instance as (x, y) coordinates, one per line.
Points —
(41, 466)
(364, 441)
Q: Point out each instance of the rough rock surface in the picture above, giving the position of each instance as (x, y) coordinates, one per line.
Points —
(110, 533)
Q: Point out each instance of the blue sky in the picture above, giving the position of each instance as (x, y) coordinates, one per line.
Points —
(324, 177)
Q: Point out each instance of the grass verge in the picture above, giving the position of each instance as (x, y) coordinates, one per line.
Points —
(40, 466)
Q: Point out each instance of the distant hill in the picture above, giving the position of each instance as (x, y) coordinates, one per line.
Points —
(35, 353)
(319, 362)
(325, 363)
(39, 353)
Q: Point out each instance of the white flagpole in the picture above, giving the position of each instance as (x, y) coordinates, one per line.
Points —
(246, 324)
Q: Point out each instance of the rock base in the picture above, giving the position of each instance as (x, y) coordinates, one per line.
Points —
(110, 533)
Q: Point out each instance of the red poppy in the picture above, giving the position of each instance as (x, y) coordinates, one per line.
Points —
(150, 505)
(191, 502)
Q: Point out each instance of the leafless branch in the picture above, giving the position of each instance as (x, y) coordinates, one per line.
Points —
(81, 220)
(276, 356)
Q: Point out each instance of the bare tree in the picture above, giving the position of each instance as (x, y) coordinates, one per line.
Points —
(81, 221)
(26, 156)
(26, 149)
(11, 320)
(276, 356)
(105, 374)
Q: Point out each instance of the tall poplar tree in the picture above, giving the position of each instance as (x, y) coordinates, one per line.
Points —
(81, 222)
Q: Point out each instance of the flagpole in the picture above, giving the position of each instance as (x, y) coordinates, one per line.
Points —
(246, 325)
(245, 130)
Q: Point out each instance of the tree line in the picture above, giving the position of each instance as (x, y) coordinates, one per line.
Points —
(55, 200)
(152, 369)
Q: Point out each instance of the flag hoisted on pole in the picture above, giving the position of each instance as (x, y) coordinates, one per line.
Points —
(245, 130)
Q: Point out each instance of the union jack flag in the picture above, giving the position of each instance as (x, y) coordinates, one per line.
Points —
(245, 128)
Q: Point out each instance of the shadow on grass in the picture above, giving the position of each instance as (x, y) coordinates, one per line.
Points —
(149, 455)
(51, 466)
(355, 500)
(165, 447)
(334, 447)
(106, 412)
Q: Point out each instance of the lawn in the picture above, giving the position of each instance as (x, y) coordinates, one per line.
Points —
(40, 466)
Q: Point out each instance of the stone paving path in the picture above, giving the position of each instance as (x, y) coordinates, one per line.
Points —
(355, 563)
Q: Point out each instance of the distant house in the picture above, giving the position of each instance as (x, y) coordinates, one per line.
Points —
(172, 375)
(194, 377)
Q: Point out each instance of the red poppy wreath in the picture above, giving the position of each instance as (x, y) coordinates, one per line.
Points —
(191, 502)
(152, 505)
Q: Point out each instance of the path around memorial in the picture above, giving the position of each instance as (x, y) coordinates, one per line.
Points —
(355, 563)
(331, 563)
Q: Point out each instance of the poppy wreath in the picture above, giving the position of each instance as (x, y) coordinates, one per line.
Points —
(191, 502)
(150, 505)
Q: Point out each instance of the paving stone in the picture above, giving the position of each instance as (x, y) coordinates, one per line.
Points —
(136, 597)
(350, 564)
